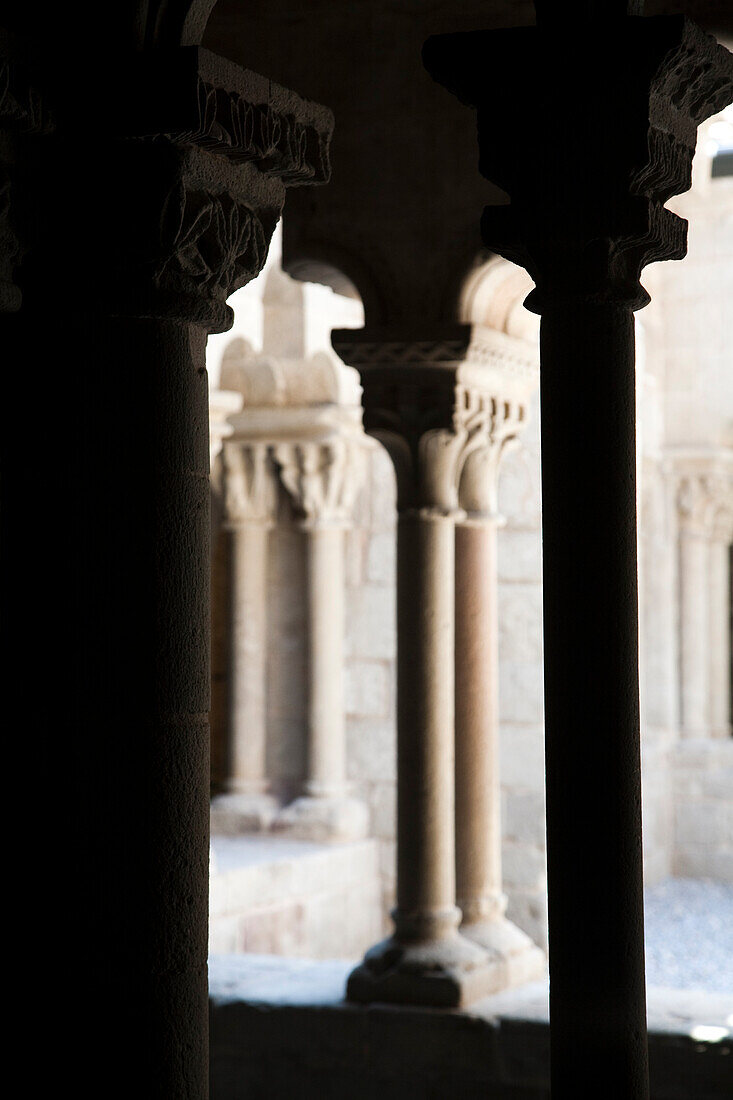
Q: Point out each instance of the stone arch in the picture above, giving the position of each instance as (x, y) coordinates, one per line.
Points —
(332, 265)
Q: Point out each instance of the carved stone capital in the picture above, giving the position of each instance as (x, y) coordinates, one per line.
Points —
(250, 483)
(705, 502)
(323, 476)
(586, 215)
(193, 162)
(445, 409)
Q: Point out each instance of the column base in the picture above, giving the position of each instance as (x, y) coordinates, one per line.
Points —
(450, 972)
(515, 957)
(235, 813)
(323, 819)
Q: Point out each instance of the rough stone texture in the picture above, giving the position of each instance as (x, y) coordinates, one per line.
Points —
(281, 1027)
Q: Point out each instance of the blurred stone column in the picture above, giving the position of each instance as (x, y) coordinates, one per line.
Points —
(721, 537)
(703, 614)
(323, 475)
(494, 405)
(250, 499)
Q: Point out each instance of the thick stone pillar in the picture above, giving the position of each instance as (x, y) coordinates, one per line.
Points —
(153, 202)
(412, 406)
(250, 500)
(479, 892)
(614, 127)
(323, 477)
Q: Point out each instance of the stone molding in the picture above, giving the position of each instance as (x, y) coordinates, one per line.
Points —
(207, 101)
(276, 383)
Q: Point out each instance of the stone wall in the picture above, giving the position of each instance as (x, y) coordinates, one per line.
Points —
(702, 801)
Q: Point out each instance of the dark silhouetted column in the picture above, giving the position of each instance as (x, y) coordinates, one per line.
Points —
(614, 124)
(153, 200)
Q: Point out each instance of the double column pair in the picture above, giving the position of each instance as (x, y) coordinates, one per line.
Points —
(322, 475)
(448, 828)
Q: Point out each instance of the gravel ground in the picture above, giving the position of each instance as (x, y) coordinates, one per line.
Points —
(689, 935)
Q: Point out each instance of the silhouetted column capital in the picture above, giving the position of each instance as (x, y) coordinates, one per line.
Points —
(193, 156)
(590, 141)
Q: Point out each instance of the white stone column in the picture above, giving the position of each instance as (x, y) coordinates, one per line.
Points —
(720, 648)
(497, 419)
(323, 476)
(705, 513)
(426, 960)
(250, 498)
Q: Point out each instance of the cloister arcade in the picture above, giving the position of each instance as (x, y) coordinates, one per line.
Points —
(436, 680)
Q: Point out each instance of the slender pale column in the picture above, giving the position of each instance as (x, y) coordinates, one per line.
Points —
(250, 499)
(696, 609)
(426, 960)
(323, 477)
(326, 733)
(479, 892)
(720, 653)
(694, 633)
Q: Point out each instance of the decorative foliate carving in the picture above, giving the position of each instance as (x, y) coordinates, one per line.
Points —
(446, 409)
(196, 98)
(323, 477)
(183, 246)
(250, 483)
(192, 157)
(705, 505)
(408, 384)
(613, 130)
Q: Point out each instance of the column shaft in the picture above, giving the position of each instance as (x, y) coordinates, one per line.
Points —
(425, 708)
(478, 824)
(248, 659)
(694, 633)
(720, 651)
(125, 594)
(591, 702)
(326, 753)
